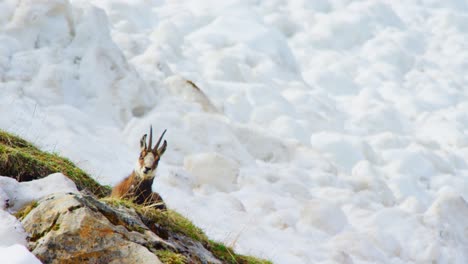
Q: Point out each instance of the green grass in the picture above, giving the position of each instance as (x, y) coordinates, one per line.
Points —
(25, 162)
(227, 255)
(173, 221)
(169, 257)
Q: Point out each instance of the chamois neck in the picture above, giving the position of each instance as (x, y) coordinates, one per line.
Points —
(143, 190)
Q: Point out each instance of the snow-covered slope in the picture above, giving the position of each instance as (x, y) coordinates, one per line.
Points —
(321, 131)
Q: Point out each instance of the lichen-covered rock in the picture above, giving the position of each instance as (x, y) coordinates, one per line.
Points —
(69, 228)
(77, 228)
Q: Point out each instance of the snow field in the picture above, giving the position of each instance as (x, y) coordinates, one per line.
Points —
(326, 131)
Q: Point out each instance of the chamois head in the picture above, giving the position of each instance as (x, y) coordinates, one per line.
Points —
(149, 157)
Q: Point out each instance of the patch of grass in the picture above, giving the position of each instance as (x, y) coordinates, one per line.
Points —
(22, 213)
(119, 202)
(169, 257)
(227, 255)
(10, 140)
(25, 162)
(179, 224)
(169, 219)
(175, 222)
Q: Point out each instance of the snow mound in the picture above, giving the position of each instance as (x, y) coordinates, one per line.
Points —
(213, 170)
(19, 194)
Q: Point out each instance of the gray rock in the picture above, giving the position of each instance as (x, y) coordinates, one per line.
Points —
(76, 228)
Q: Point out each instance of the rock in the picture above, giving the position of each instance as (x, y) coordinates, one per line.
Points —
(77, 228)
(65, 228)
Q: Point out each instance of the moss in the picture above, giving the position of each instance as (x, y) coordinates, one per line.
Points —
(56, 227)
(22, 213)
(169, 257)
(25, 162)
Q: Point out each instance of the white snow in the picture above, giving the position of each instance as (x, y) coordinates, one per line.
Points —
(17, 254)
(21, 193)
(325, 131)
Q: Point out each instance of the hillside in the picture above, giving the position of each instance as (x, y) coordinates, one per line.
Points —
(52, 239)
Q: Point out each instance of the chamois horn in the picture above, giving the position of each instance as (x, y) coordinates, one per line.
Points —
(150, 137)
(159, 141)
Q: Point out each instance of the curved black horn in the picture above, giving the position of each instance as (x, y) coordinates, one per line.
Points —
(159, 140)
(150, 138)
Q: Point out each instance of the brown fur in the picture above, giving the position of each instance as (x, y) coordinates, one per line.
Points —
(139, 188)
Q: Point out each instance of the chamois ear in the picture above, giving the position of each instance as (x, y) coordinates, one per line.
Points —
(143, 142)
(162, 149)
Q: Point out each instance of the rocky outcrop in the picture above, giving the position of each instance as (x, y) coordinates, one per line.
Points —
(77, 228)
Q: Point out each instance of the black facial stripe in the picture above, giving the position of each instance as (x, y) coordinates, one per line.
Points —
(155, 164)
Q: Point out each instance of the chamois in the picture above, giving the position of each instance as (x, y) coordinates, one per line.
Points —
(138, 185)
